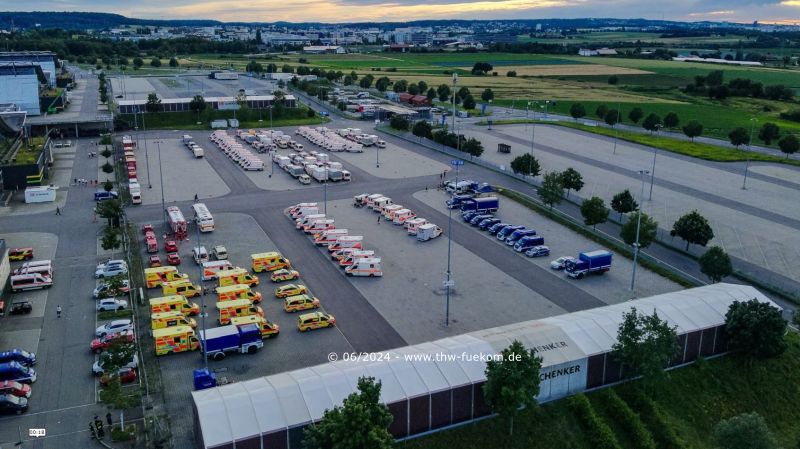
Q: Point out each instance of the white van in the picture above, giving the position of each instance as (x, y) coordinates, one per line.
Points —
(136, 197)
(212, 268)
(291, 210)
(347, 241)
(403, 215)
(413, 225)
(44, 270)
(456, 188)
(300, 222)
(371, 199)
(31, 281)
(35, 263)
(370, 267)
(351, 257)
(319, 226)
(329, 236)
(388, 211)
(380, 203)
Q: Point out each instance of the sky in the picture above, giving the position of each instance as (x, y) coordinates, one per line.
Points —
(333, 11)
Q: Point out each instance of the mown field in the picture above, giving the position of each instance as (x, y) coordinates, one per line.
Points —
(634, 37)
(681, 412)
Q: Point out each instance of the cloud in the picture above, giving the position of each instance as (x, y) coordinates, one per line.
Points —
(401, 10)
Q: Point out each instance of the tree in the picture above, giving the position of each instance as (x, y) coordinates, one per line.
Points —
(107, 168)
(481, 68)
(366, 81)
(472, 146)
(431, 94)
(400, 86)
(744, 431)
(636, 114)
(613, 80)
(487, 95)
(469, 102)
(715, 78)
(511, 73)
(512, 382)
(362, 421)
(122, 62)
(399, 122)
(382, 83)
(443, 91)
(137, 63)
(155, 62)
(645, 344)
(173, 62)
(624, 203)
(769, 132)
(715, 264)
(106, 153)
(739, 136)
(601, 111)
(551, 191)
(413, 89)
(612, 115)
(111, 210)
(108, 186)
(755, 328)
(789, 145)
(671, 120)
(258, 38)
(693, 129)
(577, 111)
(693, 228)
(153, 103)
(571, 180)
(118, 354)
(652, 122)
(594, 211)
(198, 104)
(111, 239)
(254, 67)
(463, 92)
(103, 96)
(422, 129)
(526, 164)
(648, 230)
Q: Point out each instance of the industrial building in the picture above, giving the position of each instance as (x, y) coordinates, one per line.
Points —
(431, 386)
(324, 49)
(47, 60)
(19, 85)
(182, 104)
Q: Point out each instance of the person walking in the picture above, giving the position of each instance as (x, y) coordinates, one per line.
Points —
(379, 219)
(195, 198)
(58, 311)
(92, 431)
(108, 419)
(58, 210)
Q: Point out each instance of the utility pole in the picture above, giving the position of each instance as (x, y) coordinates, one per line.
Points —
(642, 174)
(749, 142)
(655, 153)
(448, 283)
(455, 82)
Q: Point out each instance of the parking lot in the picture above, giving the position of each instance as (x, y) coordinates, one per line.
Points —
(185, 85)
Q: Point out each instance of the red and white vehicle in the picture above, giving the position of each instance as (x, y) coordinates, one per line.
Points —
(15, 388)
(99, 345)
(177, 222)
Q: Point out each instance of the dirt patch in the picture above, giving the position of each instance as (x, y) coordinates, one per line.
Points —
(570, 69)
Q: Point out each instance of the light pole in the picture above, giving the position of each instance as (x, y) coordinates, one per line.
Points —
(655, 153)
(616, 130)
(161, 178)
(326, 190)
(530, 160)
(455, 82)
(448, 283)
(202, 298)
(146, 157)
(642, 174)
(749, 142)
(377, 157)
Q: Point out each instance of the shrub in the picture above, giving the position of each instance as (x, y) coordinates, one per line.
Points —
(106, 153)
(511, 73)
(627, 418)
(399, 122)
(661, 430)
(597, 431)
(107, 168)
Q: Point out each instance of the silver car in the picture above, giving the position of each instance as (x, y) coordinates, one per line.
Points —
(111, 304)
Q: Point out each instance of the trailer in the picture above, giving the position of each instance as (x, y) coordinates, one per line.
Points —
(177, 222)
(487, 204)
(334, 174)
(217, 341)
(43, 194)
(319, 173)
(593, 262)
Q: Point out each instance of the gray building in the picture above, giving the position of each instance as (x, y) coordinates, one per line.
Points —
(47, 60)
(19, 84)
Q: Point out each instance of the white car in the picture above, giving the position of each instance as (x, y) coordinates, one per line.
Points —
(102, 290)
(219, 252)
(199, 255)
(111, 262)
(560, 263)
(113, 327)
(111, 304)
(97, 367)
(110, 270)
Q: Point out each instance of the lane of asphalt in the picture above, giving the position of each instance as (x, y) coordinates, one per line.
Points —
(675, 187)
(558, 291)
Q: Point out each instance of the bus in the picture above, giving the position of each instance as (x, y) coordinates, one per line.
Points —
(204, 219)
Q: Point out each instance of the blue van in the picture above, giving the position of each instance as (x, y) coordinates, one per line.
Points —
(528, 242)
(15, 371)
(20, 356)
(512, 239)
(508, 230)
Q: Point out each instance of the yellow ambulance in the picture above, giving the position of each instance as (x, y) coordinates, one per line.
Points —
(236, 276)
(239, 307)
(268, 328)
(270, 261)
(237, 291)
(158, 275)
(161, 320)
(173, 303)
(175, 339)
(183, 287)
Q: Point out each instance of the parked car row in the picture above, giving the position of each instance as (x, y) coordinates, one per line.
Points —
(264, 141)
(307, 165)
(323, 231)
(329, 139)
(518, 237)
(151, 244)
(398, 215)
(236, 151)
(16, 375)
(194, 148)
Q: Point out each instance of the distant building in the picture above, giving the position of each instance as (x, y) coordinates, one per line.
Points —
(20, 85)
(598, 52)
(402, 48)
(276, 39)
(718, 61)
(322, 49)
(47, 60)
(214, 103)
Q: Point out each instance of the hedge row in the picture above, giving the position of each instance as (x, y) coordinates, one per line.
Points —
(665, 437)
(599, 434)
(628, 419)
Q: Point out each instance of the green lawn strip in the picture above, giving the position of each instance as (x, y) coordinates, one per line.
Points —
(626, 423)
(115, 315)
(694, 149)
(29, 154)
(682, 412)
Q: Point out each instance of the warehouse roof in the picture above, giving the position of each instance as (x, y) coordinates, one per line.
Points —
(263, 405)
(207, 99)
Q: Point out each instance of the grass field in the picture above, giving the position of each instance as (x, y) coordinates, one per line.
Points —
(690, 403)
(633, 37)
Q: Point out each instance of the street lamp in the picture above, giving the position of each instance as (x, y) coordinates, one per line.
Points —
(655, 153)
(616, 130)
(146, 157)
(377, 157)
(161, 178)
(455, 81)
(530, 160)
(448, 283)
(749, 142)
(202, 298)
(326, 190)
(642, 174)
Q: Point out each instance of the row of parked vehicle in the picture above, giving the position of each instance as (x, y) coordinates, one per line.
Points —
(236, 151)
(32, 275)
(264, 141)
(306, 165)
(398, 215)
(16, 375)
(346, 249)
(329, 139)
